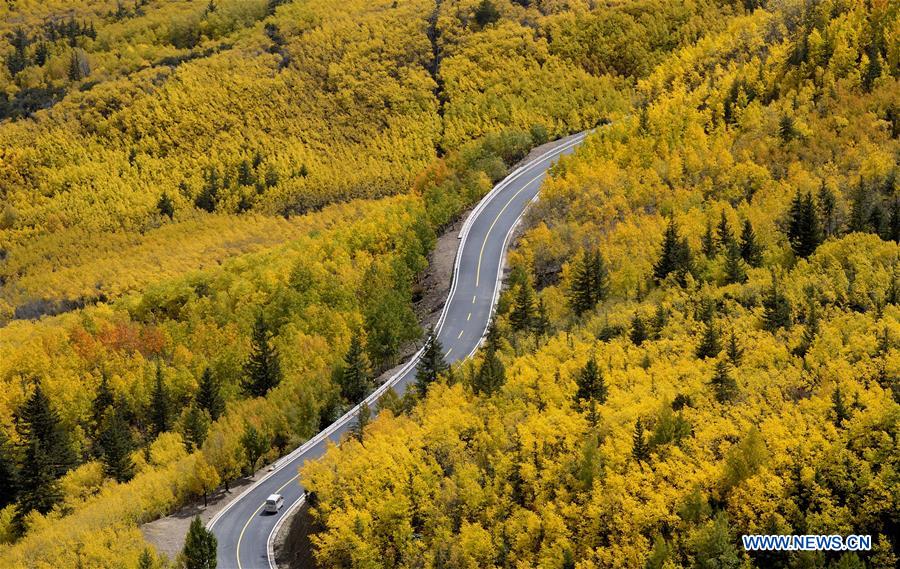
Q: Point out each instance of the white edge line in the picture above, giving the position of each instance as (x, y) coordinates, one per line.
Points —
(270, 541)
(281, 463)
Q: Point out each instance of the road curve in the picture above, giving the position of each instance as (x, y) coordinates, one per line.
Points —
(243, 531)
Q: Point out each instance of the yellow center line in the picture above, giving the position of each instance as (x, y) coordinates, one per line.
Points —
(486, 235)
(253, 515)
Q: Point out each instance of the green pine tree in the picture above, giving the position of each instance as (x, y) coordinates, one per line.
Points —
(660, 319)
(710, 344)
(638, 332)
(708, 243)
(724, 386)
(209, 395)
(146, 560)
(776, 308)
(523, 312)
(811, 327)
(486, 13)
(675, 257)
(827, 206)
(354, 376)
(432, 364)
(491, 374)
(839, 406)
(195, 427)
(9, 472)
(166, 206)
(723, 232)
(199, 547)
(599, 276)
(255, 445)
(581, 290)
(262, 371)
(734, 350)
(116, 446)
(591, 384)
(640, 449)
(541, 324)
(363, 418)
(160, 404)
(38, 420)
(804, 227)
(735, 273)
(751, 251)
(103, 398)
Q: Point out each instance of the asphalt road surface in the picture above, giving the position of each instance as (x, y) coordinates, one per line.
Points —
(245, 533)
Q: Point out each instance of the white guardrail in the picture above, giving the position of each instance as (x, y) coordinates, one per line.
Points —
(281, 463)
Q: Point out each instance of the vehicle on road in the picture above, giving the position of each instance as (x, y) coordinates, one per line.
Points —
(274, 503)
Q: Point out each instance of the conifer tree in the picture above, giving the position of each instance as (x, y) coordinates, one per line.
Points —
(590, 282)
(255, 445)
(103, 399)
(209, 395)
(734, 350)
(804, 227)
(591, 384)
(166, 206)
(486, 13)
(146, 561)
(675, 257)
(262, 371)
(355, 375)
(723, 232)
(491, 375)
(638, 332)
(735, 273)
(827, 205)
(523, 313)
(195, 428)
(38, 420)
(776, 308)
(811, 327)
(640, 448)
(751, 251)
(893, 227)
(363, 418)
(160, 404)
(839, 406)
(710, 344)
(199, 547)
(431, 365)
(541, 325)
(9, 472)
(660, 319)
(724, 386)
(708, 243)
(116, 446)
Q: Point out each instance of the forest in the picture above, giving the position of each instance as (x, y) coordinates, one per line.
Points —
(700, 337)
(208, 208)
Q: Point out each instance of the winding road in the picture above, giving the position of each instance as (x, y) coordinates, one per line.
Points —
(244, 532)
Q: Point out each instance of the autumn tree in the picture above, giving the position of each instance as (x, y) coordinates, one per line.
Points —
(199, 547)
(262, 370)
(209, 395)
(431, 365)
(354, 375)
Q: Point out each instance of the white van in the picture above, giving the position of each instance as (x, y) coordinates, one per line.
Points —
(274, 503)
